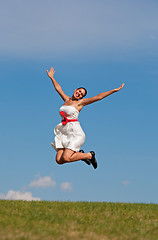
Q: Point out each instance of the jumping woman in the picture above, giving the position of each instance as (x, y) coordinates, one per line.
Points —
(69, 136)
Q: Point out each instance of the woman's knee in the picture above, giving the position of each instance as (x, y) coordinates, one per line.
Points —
(63, 156)
(59, 161)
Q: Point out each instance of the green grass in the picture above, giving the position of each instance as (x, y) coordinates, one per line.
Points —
(77, 220)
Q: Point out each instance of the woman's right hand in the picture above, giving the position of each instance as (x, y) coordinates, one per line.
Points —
(51, 72)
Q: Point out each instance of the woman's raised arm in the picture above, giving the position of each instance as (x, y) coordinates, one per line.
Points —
(100, 96)
(56, 85)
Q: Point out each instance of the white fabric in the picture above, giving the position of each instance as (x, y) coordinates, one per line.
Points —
(70, 112)
(71, 135)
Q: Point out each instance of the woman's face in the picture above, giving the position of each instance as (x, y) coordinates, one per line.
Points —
(79, 93)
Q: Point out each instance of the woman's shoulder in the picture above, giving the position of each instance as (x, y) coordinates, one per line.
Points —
(78, 105)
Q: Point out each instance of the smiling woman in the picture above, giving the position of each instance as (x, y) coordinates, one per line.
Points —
(69, 136)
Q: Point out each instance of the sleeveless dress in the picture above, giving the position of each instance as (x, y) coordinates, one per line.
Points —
(70, 135)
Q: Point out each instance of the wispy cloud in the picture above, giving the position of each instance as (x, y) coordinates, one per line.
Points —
(43, 182)
(66, 186)
(126, 182)
(17, 195)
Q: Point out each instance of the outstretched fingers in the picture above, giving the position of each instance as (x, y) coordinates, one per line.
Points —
(51, 72)
(119, 88)
(122, 85)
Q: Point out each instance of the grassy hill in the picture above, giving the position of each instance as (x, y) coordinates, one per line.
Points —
(77, 221)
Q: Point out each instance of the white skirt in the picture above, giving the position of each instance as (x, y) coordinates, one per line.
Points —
(69, 136)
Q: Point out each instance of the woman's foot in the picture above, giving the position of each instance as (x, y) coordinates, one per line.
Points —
(93, 160)
(87, 161)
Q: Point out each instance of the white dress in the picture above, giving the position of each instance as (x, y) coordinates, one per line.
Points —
(70, 135)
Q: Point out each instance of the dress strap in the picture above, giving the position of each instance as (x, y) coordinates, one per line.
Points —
(65, 120)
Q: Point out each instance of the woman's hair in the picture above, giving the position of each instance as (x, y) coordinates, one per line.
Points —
(84, 89)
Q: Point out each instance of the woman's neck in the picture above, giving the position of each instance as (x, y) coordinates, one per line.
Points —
(73, 98)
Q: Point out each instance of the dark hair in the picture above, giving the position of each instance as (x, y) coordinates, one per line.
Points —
(84, 89)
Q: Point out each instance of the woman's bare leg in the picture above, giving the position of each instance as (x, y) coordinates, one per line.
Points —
(67, 155)
(59, 156)
(72, 156)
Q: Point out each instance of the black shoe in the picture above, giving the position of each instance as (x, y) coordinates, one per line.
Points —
(85, 160)
(93, 160)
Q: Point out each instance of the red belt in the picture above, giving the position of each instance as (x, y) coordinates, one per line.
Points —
(65, 120)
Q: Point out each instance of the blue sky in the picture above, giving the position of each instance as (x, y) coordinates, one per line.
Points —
(98, 45)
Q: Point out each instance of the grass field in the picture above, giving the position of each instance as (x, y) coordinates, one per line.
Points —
(77, 220)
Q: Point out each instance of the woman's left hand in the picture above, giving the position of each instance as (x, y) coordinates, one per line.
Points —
(119, 88)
